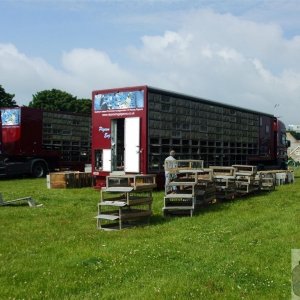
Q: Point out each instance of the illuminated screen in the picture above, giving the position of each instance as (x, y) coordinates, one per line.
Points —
(121, 100)
(10, 117)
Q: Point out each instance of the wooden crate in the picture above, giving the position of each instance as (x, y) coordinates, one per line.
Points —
(190, 190)
(121, 207)
(245, 170)
(69, 180)
(174, 166)
(136, 181)
(57, 181)
(268, 181)
(221, 172)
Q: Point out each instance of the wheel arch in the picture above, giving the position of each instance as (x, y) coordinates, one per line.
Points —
(34, 161)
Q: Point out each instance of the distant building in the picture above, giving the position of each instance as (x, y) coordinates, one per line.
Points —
(295, 128)
(294, 137)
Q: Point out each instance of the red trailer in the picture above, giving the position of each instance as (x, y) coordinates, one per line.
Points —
(134, 128)
(0, 137)
(35, 141)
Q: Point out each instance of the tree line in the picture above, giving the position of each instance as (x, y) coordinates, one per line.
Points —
(51, 100)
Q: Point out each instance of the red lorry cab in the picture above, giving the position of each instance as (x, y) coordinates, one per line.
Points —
(35, 141)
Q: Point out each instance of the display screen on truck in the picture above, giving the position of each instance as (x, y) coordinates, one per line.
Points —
(121, 100)
(11, 117)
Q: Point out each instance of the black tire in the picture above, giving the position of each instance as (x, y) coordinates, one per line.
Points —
(39, 170)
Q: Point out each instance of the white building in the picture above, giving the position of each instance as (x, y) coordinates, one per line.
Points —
(295, 128)
(294, 150)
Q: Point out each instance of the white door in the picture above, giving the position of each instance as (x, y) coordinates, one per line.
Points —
(107, 160)
(132, 145)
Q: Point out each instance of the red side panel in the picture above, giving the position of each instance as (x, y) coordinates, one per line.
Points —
(21, 131)
(32, 130)
(108, 106)
(0, 135)
(11, 130)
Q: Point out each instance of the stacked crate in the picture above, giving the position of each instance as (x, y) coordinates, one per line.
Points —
(191, 187)
(271, 178)
(206, 187)
(284, 176)
(224, 179)
(125, 201)
(268, 180)
(247, 179)
(290, 177)
(69, 179)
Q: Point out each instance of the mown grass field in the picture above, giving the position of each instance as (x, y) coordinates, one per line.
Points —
(234, 250)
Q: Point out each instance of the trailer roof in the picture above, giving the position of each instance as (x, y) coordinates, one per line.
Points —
(206, 101)
(182, 95)
(47, 111)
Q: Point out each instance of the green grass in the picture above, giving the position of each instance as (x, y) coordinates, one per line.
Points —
(234, 250)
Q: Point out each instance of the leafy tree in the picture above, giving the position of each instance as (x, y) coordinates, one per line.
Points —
(84, 105)
(6, 100)
(57, 100)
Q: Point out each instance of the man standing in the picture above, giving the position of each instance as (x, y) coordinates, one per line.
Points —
(170, 166)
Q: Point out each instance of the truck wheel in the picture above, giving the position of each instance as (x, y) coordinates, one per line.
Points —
(39, 170)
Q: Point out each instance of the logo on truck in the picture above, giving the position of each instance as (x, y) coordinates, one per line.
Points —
(10, 117)
(121, 100)
(105, 131)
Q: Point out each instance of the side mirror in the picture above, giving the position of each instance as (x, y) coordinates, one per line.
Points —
(288, 143)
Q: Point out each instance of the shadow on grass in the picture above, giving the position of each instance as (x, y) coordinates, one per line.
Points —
(14, 205)
(159, 219)
(204, 208)
(17, 177)
(214, 207)
(225, 204)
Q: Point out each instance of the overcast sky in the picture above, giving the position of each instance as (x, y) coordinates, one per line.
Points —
(239, 52)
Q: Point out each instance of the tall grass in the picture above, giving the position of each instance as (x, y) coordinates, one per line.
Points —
(232, 250)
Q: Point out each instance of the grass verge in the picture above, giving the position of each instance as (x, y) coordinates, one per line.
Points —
(238, 249)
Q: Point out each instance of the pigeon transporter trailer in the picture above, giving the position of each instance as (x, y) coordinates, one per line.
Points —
(134, 128)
